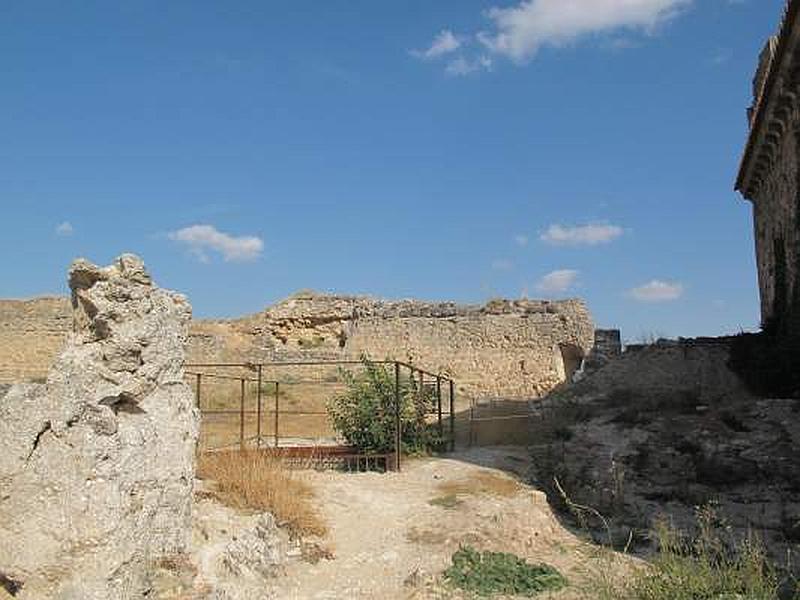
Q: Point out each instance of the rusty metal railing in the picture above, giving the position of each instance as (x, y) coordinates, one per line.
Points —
(273, 387)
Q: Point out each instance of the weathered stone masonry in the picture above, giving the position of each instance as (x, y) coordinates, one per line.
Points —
(504, 348)
(769, 175)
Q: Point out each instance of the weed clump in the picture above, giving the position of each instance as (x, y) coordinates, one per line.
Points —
(260, 481)
(705, 567)
(490, 573)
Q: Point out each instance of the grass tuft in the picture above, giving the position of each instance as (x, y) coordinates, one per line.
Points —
(707, 567)
(260, 481)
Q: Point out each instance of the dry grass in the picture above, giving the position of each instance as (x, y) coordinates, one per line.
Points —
(260, 481)
(488, 483)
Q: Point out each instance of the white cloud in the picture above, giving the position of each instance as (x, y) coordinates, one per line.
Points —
(521, 240)
(557, 282)
(465, 66)
(65, 229)
(581, 235)
(445, 42)
(202, 238)
(657, 291)
(519, 31)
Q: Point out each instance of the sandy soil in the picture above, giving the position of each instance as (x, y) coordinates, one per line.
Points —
(392, 535)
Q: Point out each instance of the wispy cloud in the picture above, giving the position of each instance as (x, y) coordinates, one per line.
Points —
(657, 291)
(445, 42)
(581, 235)
(465, 66)
(521, 240)
(201, 239)
(65, 229)
(720, 56)
(519, 31)
(557, 282)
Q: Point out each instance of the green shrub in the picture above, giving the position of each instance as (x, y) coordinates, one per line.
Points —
(364, 414)
(490, 573)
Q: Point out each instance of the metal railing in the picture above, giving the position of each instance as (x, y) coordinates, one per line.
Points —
(287, 407)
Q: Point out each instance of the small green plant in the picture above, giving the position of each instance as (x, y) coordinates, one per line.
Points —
(490, 573)
(364, 414)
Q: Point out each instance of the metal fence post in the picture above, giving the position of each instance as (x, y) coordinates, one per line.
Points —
(197, 390)
(421, 408)
(241, 417)
(277, 395)
(452, 415)
(258, 412)
(439, 405)
(398, 432)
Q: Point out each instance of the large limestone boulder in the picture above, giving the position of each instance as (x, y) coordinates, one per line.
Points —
(97, 465)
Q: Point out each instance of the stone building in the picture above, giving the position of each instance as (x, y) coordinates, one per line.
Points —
(769, 174)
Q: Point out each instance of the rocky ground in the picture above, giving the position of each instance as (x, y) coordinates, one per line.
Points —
(392, 535)
(666, 430)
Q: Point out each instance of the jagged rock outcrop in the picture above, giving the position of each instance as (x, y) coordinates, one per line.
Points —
(97, 464)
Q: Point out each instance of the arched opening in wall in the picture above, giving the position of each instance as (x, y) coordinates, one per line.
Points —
(569, 359)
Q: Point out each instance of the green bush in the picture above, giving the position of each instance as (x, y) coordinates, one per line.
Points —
(364, 414)
(490, 573)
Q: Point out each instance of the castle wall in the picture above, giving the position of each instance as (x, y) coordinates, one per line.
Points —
(31, 334)
(770, 175)
(508, 349)
(776, 219)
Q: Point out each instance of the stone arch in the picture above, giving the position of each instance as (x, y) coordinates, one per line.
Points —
(568, 359)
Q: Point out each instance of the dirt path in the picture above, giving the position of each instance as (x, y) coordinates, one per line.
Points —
(392, 535)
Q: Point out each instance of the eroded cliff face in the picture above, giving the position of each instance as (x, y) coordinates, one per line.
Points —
(97, 464)
(504, 348)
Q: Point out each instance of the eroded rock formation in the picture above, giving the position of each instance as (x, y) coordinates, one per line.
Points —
(97, 464)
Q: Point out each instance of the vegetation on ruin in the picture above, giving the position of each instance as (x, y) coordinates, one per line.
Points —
(364, 414)
(260, 481)
(712, 565)
(493, 573)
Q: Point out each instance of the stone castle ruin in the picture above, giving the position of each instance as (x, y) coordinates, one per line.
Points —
(97, 463)
(769, 175)
(509, 348)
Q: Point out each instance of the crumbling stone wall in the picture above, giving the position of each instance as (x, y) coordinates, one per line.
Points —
(504, 348)
(31, 333)
(97, 464)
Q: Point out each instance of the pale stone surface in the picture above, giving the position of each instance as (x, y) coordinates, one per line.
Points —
(237, 555)
(97, 465)
(509, 348)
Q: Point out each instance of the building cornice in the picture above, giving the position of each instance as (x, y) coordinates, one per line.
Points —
(773, 105)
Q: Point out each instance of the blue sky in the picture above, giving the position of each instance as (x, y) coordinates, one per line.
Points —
(456, 150)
